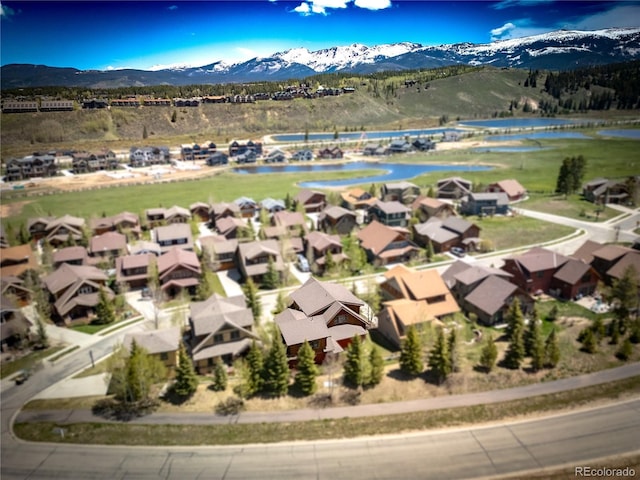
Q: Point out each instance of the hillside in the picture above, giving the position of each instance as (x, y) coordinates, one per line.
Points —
(387, 104)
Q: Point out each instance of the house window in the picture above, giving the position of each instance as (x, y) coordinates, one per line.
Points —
(315, 344)
(540, 274)
(341, 319)
(164, 356)
(85, 289)
(235, 335)
(218, 338)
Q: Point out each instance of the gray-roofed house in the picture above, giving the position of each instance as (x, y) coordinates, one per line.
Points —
(247, 207)
(485, 204)
(134, 269)
(222, 210)
(220, 327)
(462, 278)
(294, 222)
(491, 299)
(230, 227)
(108, 246)
(162, 344)
(453, 188)
(272, 206)
(254, 258)
(175, 235)
(403, 192)
(72, 255)
(321, 244)
(447, 233)
(391, 214)
(311, 200)
(221, 252)
(178, 270)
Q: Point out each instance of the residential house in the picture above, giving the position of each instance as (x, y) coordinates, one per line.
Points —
(319, 245)
(492, 298)
(162, 344)
(145, 156)
(415, 298)
(357, 199)
(165, 216)
(169, 236)
(56, 105)
(178, 270)
(248, 208)
(403, 192)
(230, 227)
(83, 162)
(423, 144)
(327, 315)
(337, 219)
(124, 222)
(217, 158)
(447, 233)
(108, 246)
(484, 204)
(196, 152)
(294, 222)
(72, 255)
(585, 251)
(75, 290)
(14, 261)
(142, 247)
(399, 146)
(606, 257)
(385, 245)
(311, 200)
(37, 227)
(330, 153)
(14, 326)
(462, 278)
(200, 210)
(237, 148)
(372, 149)
(133, 270)
(221, 252)
(220, 328)
(254, 258)
(427, 208)
(275, 156)
(272, 206)
(305, 155)
(222, 210)
(573, 280)
(630, 260)
(603, 191)
(60, 230)
(31, 166)
(391, 214)
(510, 187)
(453, 188)
(533, 270)
(15, 288)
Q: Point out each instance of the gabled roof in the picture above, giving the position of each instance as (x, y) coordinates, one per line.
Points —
(572, 271)
(434, 230)
(67, 274)
(305, 195)
(336, 213)
(217, 312)
(321, 241)
(454, 269)
(511, 187)
(156, 341)
(457, 224)
(500, 198)
(391, 207)
(314, 296)
(476, 273)
(296, 327)
(251, 250)
(539, 259)
(417, 285)
(178, 257)
(272, 204)
(220, 208)
(410, 312)
(491, 295)
(631, 259)
(245, 202)
(67, 220)
(585, 251)
(611, 252)
(288, 219)
(17, 260)
(108, 241)
(400, 185)
(376, 237)
(69, 254)
(144, 246)
(226, 225)
(173, 232)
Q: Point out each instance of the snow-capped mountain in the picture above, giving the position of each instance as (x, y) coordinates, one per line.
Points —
(560, 50)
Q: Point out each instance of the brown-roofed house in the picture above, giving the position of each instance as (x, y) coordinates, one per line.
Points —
(320, 244)
(606, 257)
(293, 222)
(178, 270)
(511, 187)
(491, 299)
(453, 188)
(630, 260)
(447, 233)
(72, 255)
(427, 207)
(15, 288)
(14, 326)
(108, 246)
(574, 279)
(403, 192)
(220, 328)
(385, 245)
(14, 261)
(337, 219)
(124, 222)
(311, 200)
(357, 198)
(134, 269)
(60, 230)
(254, 258)
(175, 235)
(533, 270)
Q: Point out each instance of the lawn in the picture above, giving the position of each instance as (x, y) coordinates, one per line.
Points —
(574, 206)
(28, 361)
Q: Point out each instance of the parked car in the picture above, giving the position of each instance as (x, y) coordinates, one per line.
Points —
(302, 263)
(458, 252)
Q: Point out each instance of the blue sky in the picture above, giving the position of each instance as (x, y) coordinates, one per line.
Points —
(149, 34)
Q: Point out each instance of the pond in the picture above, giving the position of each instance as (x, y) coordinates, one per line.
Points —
(365, 136)
(537, 136)
(392, 172)
(520, 122)
(508, 149)
(634, 134)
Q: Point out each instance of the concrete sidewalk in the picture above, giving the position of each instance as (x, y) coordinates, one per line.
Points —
(77, 387)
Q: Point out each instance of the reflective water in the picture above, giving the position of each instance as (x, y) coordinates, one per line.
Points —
(634, 134)
(537, 135)
(521, 122)
(365, 136)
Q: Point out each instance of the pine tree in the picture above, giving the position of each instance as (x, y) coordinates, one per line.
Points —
(536, 348)
(489, 354)
(411, 353)
(430, 252)
(588, 340)
(255, 367)
(515, 319)
(271, 277)
(452, 346)
(551, 350)
(625, 351)
(439, 361)
(43, 336)
(531, 336)
(276, 369)
(305, 379)
(377, 366)
(623, 295)
(186, 380)
(515, 351)
(253, 301)
(105, 310)
(354, 369)
(280, 306)
(220, 379)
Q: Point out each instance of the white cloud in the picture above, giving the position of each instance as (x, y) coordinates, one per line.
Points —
(517, 3)
(322, 7)
(500, 32)
(373, 4)
(172, 7)
(6, 12)
(618, 16)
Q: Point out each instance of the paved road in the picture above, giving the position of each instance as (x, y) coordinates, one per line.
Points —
(576, 438)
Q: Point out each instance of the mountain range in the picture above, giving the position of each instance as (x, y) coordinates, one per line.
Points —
(559, 50)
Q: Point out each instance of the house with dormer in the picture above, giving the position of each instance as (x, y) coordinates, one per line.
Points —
(60, 230)
(253, 258)
(385, 245)
(219, 328)
(391, 213)
(134, 270)
(403, 192)
(533, 271)
(176, 235)
(319, 245)
(453, 188)
(311, 200)
(178, 270)
(337, 219)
